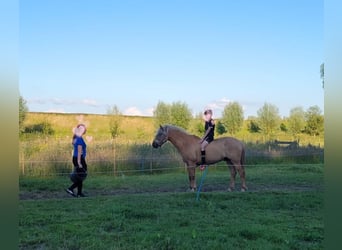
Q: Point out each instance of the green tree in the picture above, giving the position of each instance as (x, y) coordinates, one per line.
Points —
(296, 121)
(114, 129)
(198, 125)
(283, 127)
(23, 109)
(252, 125)
(268, 119)
(314, 121)
(180, 114)
(232, 117)
(114, 121)
(220, 128)
(162, 114)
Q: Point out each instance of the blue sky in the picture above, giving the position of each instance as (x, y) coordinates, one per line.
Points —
(83, 56)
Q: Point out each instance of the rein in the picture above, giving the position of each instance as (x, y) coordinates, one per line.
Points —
(201, 183)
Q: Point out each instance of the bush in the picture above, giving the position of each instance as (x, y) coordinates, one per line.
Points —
(40, 128)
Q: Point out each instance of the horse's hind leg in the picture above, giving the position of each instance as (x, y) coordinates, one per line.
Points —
(241, 170)
(232, 177)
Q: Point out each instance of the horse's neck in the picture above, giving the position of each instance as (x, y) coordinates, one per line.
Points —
(180, 139)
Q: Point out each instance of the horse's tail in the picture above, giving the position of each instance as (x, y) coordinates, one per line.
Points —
(243, 159)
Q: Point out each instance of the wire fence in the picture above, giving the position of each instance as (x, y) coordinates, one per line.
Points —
(47, 157)
(145, 164)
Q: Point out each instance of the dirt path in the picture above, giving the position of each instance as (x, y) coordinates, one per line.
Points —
(41, 195)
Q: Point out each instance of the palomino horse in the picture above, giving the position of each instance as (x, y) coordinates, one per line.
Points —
(226, 149)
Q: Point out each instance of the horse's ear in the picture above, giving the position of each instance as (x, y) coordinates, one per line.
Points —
(161, 127)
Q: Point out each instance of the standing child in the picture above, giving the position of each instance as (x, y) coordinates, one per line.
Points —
(208, 136)
(78, 159)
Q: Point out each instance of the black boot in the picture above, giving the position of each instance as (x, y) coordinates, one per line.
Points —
(202, 167)
(203, 157)
(79, 189)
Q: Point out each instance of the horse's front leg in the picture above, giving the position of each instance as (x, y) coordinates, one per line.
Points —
(192, 180)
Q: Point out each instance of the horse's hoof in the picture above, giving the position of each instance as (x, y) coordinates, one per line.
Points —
(244, 189)
(230, 189)
(191, 190)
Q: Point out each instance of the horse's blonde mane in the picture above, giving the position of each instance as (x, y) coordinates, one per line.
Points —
(176, 128)
(173, 127)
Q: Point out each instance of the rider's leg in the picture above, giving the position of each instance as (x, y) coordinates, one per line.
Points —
(203, 146)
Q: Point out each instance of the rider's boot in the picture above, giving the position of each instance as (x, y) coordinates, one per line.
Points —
(202, 166)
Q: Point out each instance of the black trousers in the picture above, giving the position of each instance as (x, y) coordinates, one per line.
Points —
(77, 183)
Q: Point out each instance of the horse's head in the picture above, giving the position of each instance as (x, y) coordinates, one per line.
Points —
(161, 137)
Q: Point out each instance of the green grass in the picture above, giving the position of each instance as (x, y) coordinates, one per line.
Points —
(258, 178)
(282, 210)
(270, 220)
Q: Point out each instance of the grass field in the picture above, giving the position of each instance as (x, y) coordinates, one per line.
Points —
(44, 154)
(283, 209)
(135, 129)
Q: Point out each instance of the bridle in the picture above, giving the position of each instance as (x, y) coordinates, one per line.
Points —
(160, 143)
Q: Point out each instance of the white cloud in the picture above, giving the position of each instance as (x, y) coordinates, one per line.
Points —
(58, 101)
(249, 107)
(212, 106)
(59, 110)
(219, 105)
(90, 102)
(36, 101)
(225, 100)
(149, 112)
(68, 102)
(134, 111)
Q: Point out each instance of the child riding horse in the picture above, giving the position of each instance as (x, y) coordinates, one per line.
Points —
(226, 149)
(208, 136)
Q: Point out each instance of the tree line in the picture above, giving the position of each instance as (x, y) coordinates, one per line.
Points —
(267, 122)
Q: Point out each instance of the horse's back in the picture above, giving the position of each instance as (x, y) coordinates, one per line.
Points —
(226, 148)
(228, 141)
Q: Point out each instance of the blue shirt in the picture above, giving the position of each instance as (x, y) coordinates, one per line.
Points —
(78, 141)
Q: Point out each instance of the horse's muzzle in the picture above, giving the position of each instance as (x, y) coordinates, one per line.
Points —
(155, 145)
